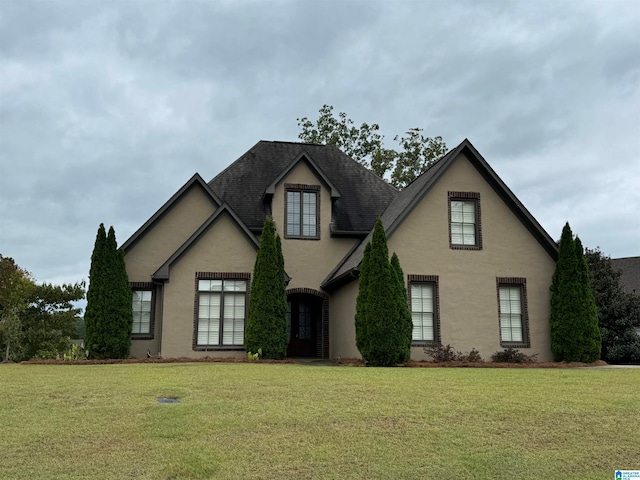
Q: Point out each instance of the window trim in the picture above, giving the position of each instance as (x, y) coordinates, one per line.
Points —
(145, 287)
(218, 276)
(302, 188)
(466, 197)
(431, 280)
(522, 284)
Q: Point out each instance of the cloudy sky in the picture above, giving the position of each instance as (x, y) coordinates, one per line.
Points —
(107, 108)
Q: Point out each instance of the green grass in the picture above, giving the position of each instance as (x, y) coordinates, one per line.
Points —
(294, 421)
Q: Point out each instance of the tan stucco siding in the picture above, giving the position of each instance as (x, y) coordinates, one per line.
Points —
(223, 248)
(308, 262)
(467, 278)
(342, 331)
(168, 234)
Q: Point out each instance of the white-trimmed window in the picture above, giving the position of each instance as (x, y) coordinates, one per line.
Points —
(141, 303)
(302, 211)
(221, 313)
(423, 312)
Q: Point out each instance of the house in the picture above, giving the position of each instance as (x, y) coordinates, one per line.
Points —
(629, 268)
(478, 266)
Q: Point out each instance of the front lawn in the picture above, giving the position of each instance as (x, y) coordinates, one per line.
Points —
(294, 421)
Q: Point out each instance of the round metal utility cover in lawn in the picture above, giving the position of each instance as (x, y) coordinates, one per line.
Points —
(168, 400)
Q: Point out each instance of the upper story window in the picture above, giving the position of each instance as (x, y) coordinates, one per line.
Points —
(142, 306)
(302, 211)
(465, 231)
(220, 310)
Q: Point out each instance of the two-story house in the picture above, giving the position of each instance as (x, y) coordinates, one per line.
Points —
(478, 266)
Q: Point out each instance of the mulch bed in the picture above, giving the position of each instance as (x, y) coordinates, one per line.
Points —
(343, 361)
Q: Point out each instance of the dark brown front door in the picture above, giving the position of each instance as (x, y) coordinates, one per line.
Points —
(303, 315)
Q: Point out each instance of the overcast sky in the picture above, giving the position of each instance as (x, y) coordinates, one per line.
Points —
(107, 108)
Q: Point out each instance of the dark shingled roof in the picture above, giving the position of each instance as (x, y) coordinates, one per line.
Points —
(413, 193)
(630, 273)
(359, 195)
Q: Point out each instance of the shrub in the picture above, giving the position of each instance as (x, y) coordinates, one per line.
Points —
(446, 353)
(512, 355)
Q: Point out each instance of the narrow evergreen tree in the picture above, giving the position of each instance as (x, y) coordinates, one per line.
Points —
(573, 313)
(379, 320)
(405, 328)
(588, 312)
(109, 316)
(267, 320)
(96, 294)
(121, 311)
(362, 340)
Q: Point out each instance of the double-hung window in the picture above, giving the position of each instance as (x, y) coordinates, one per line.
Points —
(512, 311)
(142, 308)
(464, 220)
(423, 301)
(302, 212)
(221, 313)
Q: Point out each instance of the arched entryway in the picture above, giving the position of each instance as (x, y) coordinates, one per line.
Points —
(308, 323)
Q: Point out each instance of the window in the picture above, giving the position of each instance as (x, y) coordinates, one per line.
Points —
(141, 303)
(464, 220)
(423, 300)
(221, 312)
(142, 299)
(512, 312)
(302, 211)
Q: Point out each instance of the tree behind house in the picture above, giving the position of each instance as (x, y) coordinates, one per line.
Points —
(365, 145)
(267, 320)
(618, 311)
(108, 317)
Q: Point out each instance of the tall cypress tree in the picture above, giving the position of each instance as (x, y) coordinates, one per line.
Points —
(109, 316)
(405, 327)
(379, 326)
(573, 315)
(96, 294)
(588, 313)
(120, 308)
(362, 340)
(267, 320)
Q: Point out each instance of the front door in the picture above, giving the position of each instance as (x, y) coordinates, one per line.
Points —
(302, 321)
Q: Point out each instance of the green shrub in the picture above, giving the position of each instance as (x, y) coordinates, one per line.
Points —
(512, 355)
(446, 353)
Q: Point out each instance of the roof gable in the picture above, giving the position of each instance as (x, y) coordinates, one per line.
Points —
(195, 180)
(164, 271)
(402, 206)
(359, 196)
(306, 158)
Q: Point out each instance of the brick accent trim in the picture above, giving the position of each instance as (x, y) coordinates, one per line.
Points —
(522, 283)
(300, 187)
(217, 276)
(322, 328)
(152, 321)
(434, 280)
(475, 196)
(222, 276)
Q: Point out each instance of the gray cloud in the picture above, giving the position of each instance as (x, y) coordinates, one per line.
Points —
(107, 108)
